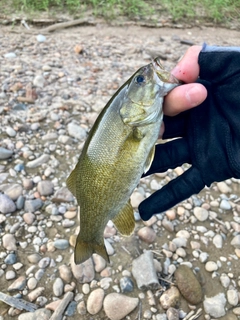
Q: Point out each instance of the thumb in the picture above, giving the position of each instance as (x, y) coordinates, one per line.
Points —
(177, 190)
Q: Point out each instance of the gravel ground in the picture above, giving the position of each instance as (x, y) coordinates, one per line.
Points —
(52, 89)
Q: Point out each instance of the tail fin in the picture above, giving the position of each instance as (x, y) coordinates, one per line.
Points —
(84, 250)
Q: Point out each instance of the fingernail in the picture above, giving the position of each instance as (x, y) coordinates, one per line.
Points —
(194, 95)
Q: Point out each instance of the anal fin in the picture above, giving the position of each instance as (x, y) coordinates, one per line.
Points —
(124, 221)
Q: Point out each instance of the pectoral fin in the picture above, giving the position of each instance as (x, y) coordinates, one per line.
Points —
(71, 182)
(149, 160)
(124, 221)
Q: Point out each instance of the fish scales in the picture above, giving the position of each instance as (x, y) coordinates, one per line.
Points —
(119, 148)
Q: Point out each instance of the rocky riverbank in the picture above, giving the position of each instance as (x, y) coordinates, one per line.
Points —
(52, 89)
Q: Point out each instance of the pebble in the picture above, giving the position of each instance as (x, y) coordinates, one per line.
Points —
(236, 241)
(40, 38)
(65, 273)
(61, 244)
(232, 297)
(6, 204)
(10, 259)
(211, 266)
(170, 298)
(225, 280)
(9, 242)
(58, 287)
(200, 213)
(83, 272)
(126, 285)
(95, 301)
(32, 283)
(225, 205)
(117, 306)
(215, 306)
(76, 131)
(10, 274)
(45, 188)
(147, 234)
(33, 205)
(38, 161)
(99, 262)
(71, 309)
(42, 314)
(144, 265)
(218, 241)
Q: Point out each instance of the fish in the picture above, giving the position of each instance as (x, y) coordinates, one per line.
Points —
(118, 150)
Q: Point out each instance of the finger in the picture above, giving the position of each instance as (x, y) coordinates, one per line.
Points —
(169, 156)
(177, 190)
(183, 98)
(187, 69)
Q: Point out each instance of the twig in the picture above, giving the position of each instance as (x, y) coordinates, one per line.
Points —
(125, 249)
(58, 313)
(18, 303)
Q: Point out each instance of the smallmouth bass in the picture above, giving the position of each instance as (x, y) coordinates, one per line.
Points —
(119, 149)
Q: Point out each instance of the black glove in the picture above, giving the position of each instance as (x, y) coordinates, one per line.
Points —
(209, 134)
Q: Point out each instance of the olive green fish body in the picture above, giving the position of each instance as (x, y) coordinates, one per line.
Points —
(119, 148)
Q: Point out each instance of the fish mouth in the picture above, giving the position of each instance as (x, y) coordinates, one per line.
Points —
(162, 74)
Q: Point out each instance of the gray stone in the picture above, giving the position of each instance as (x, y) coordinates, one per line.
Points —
(6, 204)
(18, 284)
(215, 306)
(225, 205)
(13, 190)
(235, 241)
(43, 314)
(38, 162)
(65, 273)
(58, 287)
(200, 213)
(61, 244)
(63, 195)
(76, 131)
(45, 188)
(232, 297)
(144, 272)
(5, 153)
(39, 81)
(33, 205)
(83, 272)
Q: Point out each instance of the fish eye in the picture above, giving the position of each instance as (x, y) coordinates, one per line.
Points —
(140, 79)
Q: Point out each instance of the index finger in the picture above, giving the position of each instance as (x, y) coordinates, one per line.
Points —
(187, 69)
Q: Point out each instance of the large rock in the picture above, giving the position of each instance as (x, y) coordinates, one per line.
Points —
(117, 306)
(95, 301)
(215, 306)
(83, 272)
(144, 272)
(6, 204)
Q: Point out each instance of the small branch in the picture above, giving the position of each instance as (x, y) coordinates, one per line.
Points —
(18, 303)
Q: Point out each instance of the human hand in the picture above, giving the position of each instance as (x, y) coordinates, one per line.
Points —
(208, 135)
